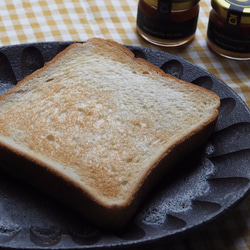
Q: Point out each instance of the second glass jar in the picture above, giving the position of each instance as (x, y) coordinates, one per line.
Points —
(167, 23)
(228, 32)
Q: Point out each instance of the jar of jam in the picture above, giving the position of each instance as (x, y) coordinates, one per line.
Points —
(228, 32)
(167, 22)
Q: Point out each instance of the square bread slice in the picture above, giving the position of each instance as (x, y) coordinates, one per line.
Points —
(96, 128)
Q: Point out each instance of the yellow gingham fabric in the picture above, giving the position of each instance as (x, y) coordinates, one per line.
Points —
(25, 21)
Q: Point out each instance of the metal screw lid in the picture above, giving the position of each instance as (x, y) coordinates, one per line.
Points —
(237, 7)
(176, 4)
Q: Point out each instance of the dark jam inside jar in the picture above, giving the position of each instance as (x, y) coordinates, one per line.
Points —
(227, 34)
(163, 25)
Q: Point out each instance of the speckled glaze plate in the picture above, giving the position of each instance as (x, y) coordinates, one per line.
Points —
(205, 186)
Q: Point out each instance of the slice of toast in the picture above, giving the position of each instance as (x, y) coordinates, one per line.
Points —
(96, 128)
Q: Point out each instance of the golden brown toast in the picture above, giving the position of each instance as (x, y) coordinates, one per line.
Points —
(96, 128)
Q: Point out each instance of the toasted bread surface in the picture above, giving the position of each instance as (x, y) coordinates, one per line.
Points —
(98, 124)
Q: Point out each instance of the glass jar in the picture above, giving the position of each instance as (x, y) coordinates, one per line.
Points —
(228, 32)
(167, 22)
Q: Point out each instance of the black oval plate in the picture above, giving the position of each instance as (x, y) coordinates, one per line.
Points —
(205, 186)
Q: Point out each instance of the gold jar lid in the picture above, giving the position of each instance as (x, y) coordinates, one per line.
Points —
(238, 7)
(176, 4)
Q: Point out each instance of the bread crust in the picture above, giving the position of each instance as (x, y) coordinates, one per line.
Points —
(64, 188)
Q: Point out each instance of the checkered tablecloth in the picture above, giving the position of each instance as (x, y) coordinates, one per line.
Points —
(26, 21)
